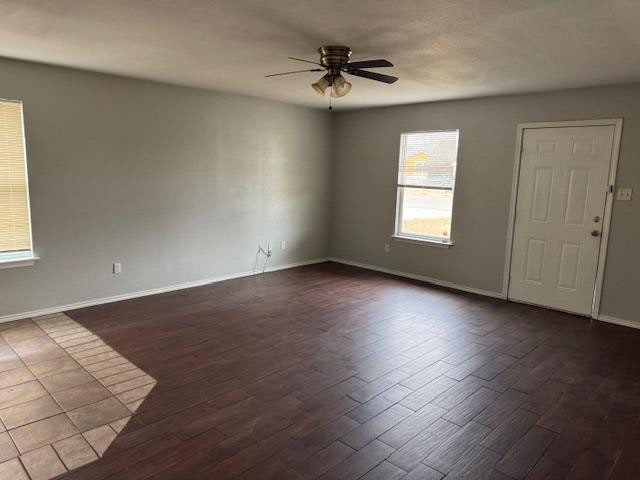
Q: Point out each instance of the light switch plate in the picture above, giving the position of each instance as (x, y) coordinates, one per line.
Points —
(624, 194)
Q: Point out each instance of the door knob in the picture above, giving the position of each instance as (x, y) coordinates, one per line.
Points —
(595, 233)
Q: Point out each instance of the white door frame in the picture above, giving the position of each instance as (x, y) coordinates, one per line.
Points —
(606, 222)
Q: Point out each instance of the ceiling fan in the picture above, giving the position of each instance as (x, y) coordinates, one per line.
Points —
(335, 61)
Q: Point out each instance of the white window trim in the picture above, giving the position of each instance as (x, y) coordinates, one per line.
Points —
(26, 258)
(430, 242)
(419, 240)
(17, 259)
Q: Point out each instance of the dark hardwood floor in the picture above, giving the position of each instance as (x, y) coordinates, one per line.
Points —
(334, 372)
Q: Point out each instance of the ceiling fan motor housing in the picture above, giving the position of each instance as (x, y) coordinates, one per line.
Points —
(335, 60)
(334, 57)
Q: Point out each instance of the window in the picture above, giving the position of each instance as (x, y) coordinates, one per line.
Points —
(426, 180)
(15, 228)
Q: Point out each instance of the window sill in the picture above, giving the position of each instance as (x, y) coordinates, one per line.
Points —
(18, 262)
(422, 241)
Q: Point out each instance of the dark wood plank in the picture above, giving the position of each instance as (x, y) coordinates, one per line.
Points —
(477, 462)
(548, 469)
(521, 458)
(411, 453)
(335, 372)
(359, 463)
(324, 460)
(423, 472)
(453, 448)
(427, 393)
(503, 406)
(412, 425)
(385, 471)
(506, 434)
(373, 428)
(471, 406)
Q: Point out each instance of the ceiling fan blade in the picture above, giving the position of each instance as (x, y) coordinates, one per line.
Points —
(369, 64)
(372, 75)
(303, 60)
(296, 71)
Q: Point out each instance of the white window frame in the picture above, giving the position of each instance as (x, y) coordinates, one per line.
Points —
(420, 239)
(27, 257)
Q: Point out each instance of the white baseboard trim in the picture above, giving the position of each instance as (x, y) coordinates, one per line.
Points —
(421, 278)
(618, 321)
(152, 291)
(220, 278)
(443, 283)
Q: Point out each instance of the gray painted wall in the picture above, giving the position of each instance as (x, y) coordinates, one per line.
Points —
(181, 184)
(366, 156)
(177, 184)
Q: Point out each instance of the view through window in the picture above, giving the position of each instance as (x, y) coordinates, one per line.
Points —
(426, 181)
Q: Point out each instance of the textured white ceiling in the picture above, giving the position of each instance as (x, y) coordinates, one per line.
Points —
(442, 49)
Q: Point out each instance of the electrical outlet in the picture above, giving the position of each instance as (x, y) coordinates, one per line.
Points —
(283, 244)
(624, 194)
(117, 268)
(387, 248)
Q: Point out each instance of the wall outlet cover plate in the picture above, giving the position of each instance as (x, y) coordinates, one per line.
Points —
(624, 194)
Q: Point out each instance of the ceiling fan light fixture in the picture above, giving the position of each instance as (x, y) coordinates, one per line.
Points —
(321, 85)
(334, 61)
(340, 87)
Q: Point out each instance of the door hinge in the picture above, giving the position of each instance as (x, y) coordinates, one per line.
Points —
(610, 188)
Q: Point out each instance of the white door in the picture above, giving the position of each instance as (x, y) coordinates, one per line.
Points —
(562, 190)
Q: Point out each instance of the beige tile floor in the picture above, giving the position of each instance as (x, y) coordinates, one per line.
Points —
(64, 396)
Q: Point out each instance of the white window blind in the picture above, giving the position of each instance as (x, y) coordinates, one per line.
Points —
(426, 180)
(15, 229)
(428, 159)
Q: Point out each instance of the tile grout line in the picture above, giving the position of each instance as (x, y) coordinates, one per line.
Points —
(89, 443)
(24, 467)
(42, 386)
(92, 373)
(83, 366)
(20, 455)
(62, 342)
